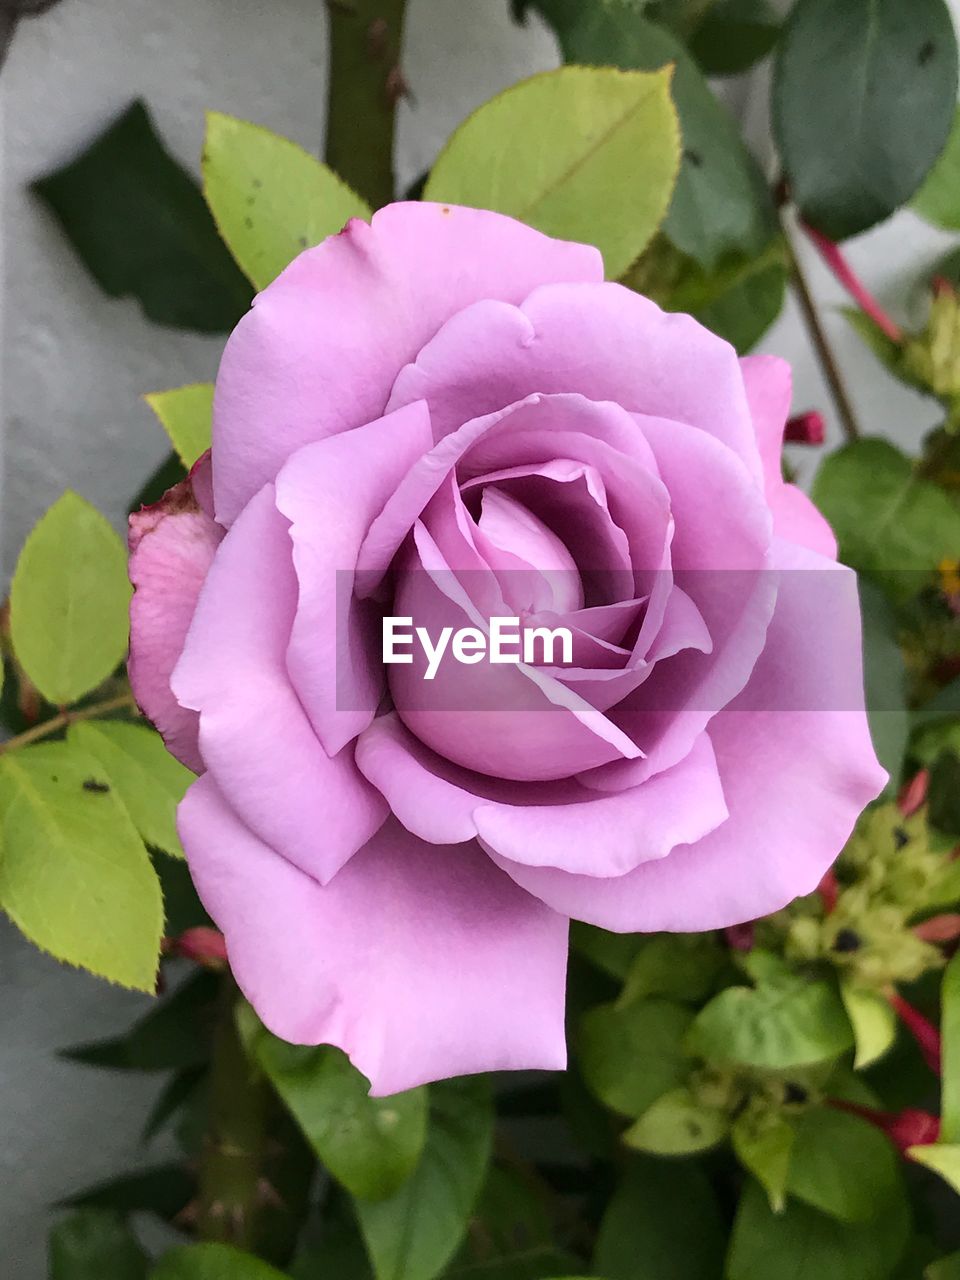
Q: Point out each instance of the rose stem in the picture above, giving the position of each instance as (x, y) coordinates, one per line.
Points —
(828, 364)
(845, 274)
(65, 718)
(366, 84)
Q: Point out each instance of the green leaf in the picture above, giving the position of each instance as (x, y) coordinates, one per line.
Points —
(631, 1055)
(510, 1235)
(94, 1245)
(145, 778)
(164, 1190)
(772, 1027)
(174, 1035)
(679, 966)
(802, 1244)
(414, 1234)
(885, 681)
(938, 200)
(943, 1158)
(873, 1020)
(733, 35)
(677, 1124)
(212, 1262)
(371, 1145)
(661, 1224)
(138, 221)
(944, 1269)
(889, 521)
(721, 204)
(74, 875)
(763, 1143)
(950, 1037)
(69, 601)
(740, 300)
(841, 1164)
(186, 415)
(943, 803)
(269, 197)
(582, 153)
(862, 107)
(611, 952)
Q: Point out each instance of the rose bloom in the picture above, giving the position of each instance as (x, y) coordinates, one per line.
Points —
(448, 416)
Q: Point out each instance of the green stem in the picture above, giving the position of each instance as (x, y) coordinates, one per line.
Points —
(366, 84)
(62, 719)
(231, 1188)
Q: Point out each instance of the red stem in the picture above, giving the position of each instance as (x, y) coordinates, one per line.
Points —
(923, 1031)
(905, 1129)
(829, 890)
(844, 273)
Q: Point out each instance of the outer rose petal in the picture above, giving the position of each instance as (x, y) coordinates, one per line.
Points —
(797, 766)
(172, 545)
(558, 825)
(419, 962)
(254, 735)
(330, 492)
(320, 349)
(768, 382)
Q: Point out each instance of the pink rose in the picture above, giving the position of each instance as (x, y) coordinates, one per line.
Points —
(448, 416)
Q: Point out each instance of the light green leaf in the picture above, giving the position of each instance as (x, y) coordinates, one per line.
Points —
(93, 1245)
(763, 1144)
(943, 1158)
(582, 153)
(185, 415)
(74, 875)
(661, 1224)
(862, 108)
(69, 601)
(873, 1020)
(802, 1244)
(631, 1055)
(414, 1234)
(677, 1125)
(841, 1164)
(889, 521)
(944, 1269)
(772, 1026)
(270, 198)
(938, 200)
(212, 1262)
(950, 1037)
(721, 204)
(371, 1145)
(145, 777)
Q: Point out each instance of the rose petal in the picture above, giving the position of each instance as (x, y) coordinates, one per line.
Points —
(320, 349)
(797, 767)
(420, 962)
(768, 383)
(601, 340)
(254, 735)
(172, 545)
(555, 825)
(330, 492)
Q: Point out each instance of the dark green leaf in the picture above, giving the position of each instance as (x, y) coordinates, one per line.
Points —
(841, 1164)
(371, 1145)
(165, 1190)
(863, 98)
(885, 680)
(175, 1094)
(944, 794)
(168, 473)
(632, 1055)
(802, 1244)
(212, 1262)
(173, 1035)
(733, 35)
(773, 1027)
(413, 1234)
(889, 521)
(95, 1245)
(139, 222)
(678, 966)
(662, 1224)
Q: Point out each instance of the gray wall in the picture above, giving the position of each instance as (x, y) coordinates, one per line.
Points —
(75, 363)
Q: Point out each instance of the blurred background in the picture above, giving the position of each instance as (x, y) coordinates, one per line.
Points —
(76, 362)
